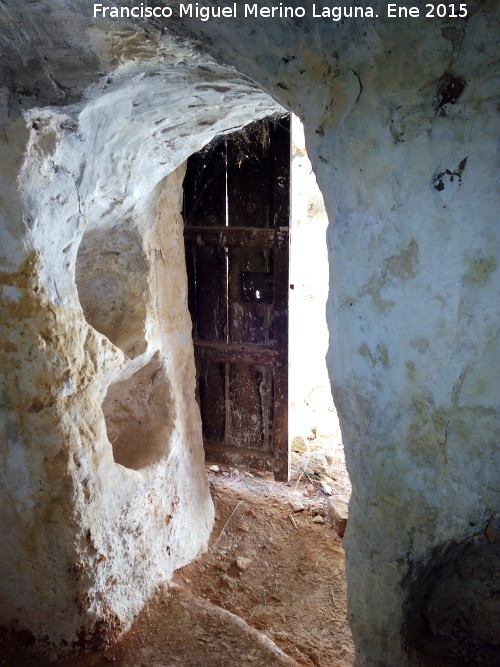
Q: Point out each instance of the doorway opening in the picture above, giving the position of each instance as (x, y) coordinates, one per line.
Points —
(316, 450)
(255, 299)
(267, 408)
(236, 213)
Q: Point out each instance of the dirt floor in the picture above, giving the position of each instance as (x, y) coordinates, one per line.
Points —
(269, 591)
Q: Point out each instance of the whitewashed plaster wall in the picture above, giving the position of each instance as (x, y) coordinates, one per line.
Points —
(406, 166)
(400, 117)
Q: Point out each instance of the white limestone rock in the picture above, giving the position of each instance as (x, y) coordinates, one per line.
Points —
(412, 311)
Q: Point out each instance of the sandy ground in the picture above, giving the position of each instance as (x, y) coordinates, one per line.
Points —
(269, 591)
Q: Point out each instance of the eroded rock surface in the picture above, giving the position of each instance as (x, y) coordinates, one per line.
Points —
(399, 118)
(104, 491)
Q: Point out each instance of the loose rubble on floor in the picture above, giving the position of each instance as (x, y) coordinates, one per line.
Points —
(269, 591)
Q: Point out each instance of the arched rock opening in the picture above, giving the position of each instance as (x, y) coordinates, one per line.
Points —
(405, 164)
(111, 276)
(140, 415)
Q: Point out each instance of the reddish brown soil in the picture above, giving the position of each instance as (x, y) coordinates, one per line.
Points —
(285, 607)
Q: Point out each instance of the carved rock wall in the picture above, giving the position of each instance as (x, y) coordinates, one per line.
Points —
(103, 486)
(399, 118)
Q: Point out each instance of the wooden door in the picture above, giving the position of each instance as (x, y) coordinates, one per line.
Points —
(236, 212)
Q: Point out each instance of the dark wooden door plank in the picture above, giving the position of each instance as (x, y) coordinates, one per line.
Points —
(252, 459)
(281, 282)
(210, 267)
(249, 321)
(248, 176)
(240, 237)
(205, 187)
(236, 352)
(237, 259)
(211, 383)
(250, 391)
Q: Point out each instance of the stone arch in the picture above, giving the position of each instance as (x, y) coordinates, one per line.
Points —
(412, 241)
